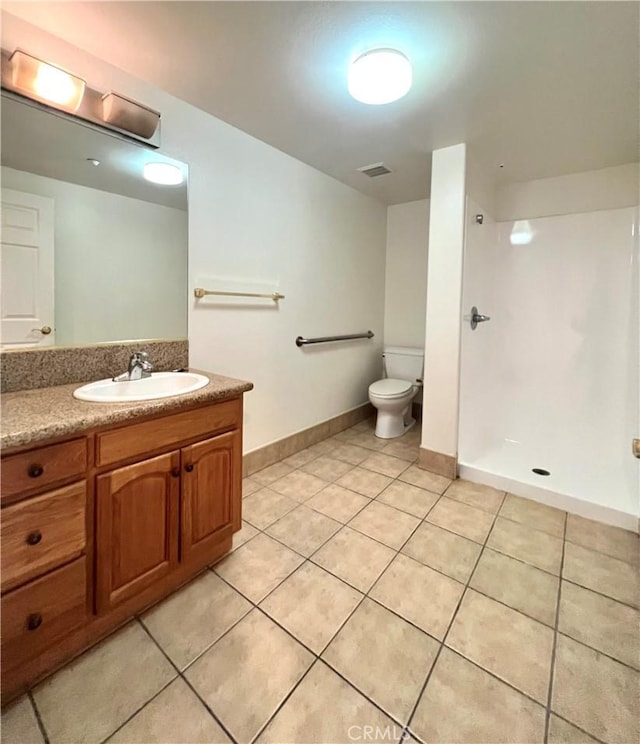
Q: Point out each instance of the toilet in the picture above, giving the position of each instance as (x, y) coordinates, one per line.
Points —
(393, 395)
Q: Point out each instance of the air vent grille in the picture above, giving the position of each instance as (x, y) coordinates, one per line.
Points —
(375, 169)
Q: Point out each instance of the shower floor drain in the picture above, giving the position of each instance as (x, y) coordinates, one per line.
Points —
(540, 471)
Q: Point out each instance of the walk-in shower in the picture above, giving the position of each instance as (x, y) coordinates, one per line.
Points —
(549, 387)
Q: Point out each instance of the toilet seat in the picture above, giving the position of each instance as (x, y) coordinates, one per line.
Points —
(390, 388)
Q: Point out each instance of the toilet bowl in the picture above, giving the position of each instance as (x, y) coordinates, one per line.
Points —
(393, 395)
(392, 399)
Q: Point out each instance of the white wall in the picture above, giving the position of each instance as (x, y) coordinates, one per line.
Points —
(258, 215)
(406, 273)
(607, 188)
(443, 311)
(105, 290)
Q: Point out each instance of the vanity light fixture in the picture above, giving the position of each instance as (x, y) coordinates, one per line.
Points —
(46, 82)
(380, 76)
(48, 85)
(164, 174)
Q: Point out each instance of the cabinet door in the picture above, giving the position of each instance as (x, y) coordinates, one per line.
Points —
(137, 527)
(209, 483)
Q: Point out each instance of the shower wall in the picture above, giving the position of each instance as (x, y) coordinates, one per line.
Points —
(551, 382)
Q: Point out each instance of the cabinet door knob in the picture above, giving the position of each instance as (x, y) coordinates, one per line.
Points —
(175, 472)
(189, 467)
(35, 471)
(34, 621)
(33, 538)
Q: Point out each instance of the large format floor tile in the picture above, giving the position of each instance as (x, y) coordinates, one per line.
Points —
(604, 538)
(258, 567)
(19, 724)
(462, 519)
(327, 468)
(532, 514)
(463, 704)
(610, 576)
(271, 473)
(385, 464)
(245, 676)
(601, 623)
(354, 558)
(475, 494)
(532, 546)
(599, 695)
(324, 709)
(443, 550)
(265, 506)
(175, 715)
(304, 530)
(396, 663)
(424, 479)
(299, 486)
(338, 503)
(350, 453)
(95, 694)
(419, 594)
(312, 605)
(408, 498)
(561, 732)
(385, 524)
(505, 642)
(189, 621)
(365, 482)
(523, 587)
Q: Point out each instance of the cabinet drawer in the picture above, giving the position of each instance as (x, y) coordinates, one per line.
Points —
(43, 467)
(39, 613)
(140, 439)
(41, 533)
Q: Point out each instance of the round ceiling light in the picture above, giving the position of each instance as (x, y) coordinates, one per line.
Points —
(380, 76)
(163, 173)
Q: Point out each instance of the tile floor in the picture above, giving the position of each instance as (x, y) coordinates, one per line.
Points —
(367, 600)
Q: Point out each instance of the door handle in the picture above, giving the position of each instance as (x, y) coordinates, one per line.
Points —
(635, 448)
(45, 330)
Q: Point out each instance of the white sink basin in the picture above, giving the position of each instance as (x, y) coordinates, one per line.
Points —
(159, 385)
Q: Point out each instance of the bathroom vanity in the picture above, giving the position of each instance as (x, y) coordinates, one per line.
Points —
(106, 508)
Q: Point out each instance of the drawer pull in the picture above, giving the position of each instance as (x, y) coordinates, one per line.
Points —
(33, 538)
(175, 472)
(35, 471)
(34, 621)
(189, 467)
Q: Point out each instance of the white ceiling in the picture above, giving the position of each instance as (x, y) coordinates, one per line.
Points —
(547, 88)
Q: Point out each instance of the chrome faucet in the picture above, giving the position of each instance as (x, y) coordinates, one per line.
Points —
(139, 367)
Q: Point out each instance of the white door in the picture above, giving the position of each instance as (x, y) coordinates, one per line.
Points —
(26, 279)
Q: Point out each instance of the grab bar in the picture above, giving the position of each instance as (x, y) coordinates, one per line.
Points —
(300, 341)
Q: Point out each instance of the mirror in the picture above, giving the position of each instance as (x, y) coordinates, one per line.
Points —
(91, 251)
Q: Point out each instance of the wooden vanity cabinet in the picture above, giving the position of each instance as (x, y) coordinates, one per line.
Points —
(110, 523)
(136, 527)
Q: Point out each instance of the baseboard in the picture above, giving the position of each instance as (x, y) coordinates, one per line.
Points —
(278, 450)
(438, 463)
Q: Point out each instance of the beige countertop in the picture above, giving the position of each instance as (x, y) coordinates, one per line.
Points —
(32, 416)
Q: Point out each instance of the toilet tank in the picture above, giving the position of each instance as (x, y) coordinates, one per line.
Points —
(403, 362)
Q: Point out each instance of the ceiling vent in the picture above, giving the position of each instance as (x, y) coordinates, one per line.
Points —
(376, 169)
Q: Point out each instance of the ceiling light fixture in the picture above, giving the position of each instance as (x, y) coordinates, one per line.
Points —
(46, 82)
(380, 76)
(164, 174)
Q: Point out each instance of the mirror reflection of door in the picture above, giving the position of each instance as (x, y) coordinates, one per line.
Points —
(27, 252)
